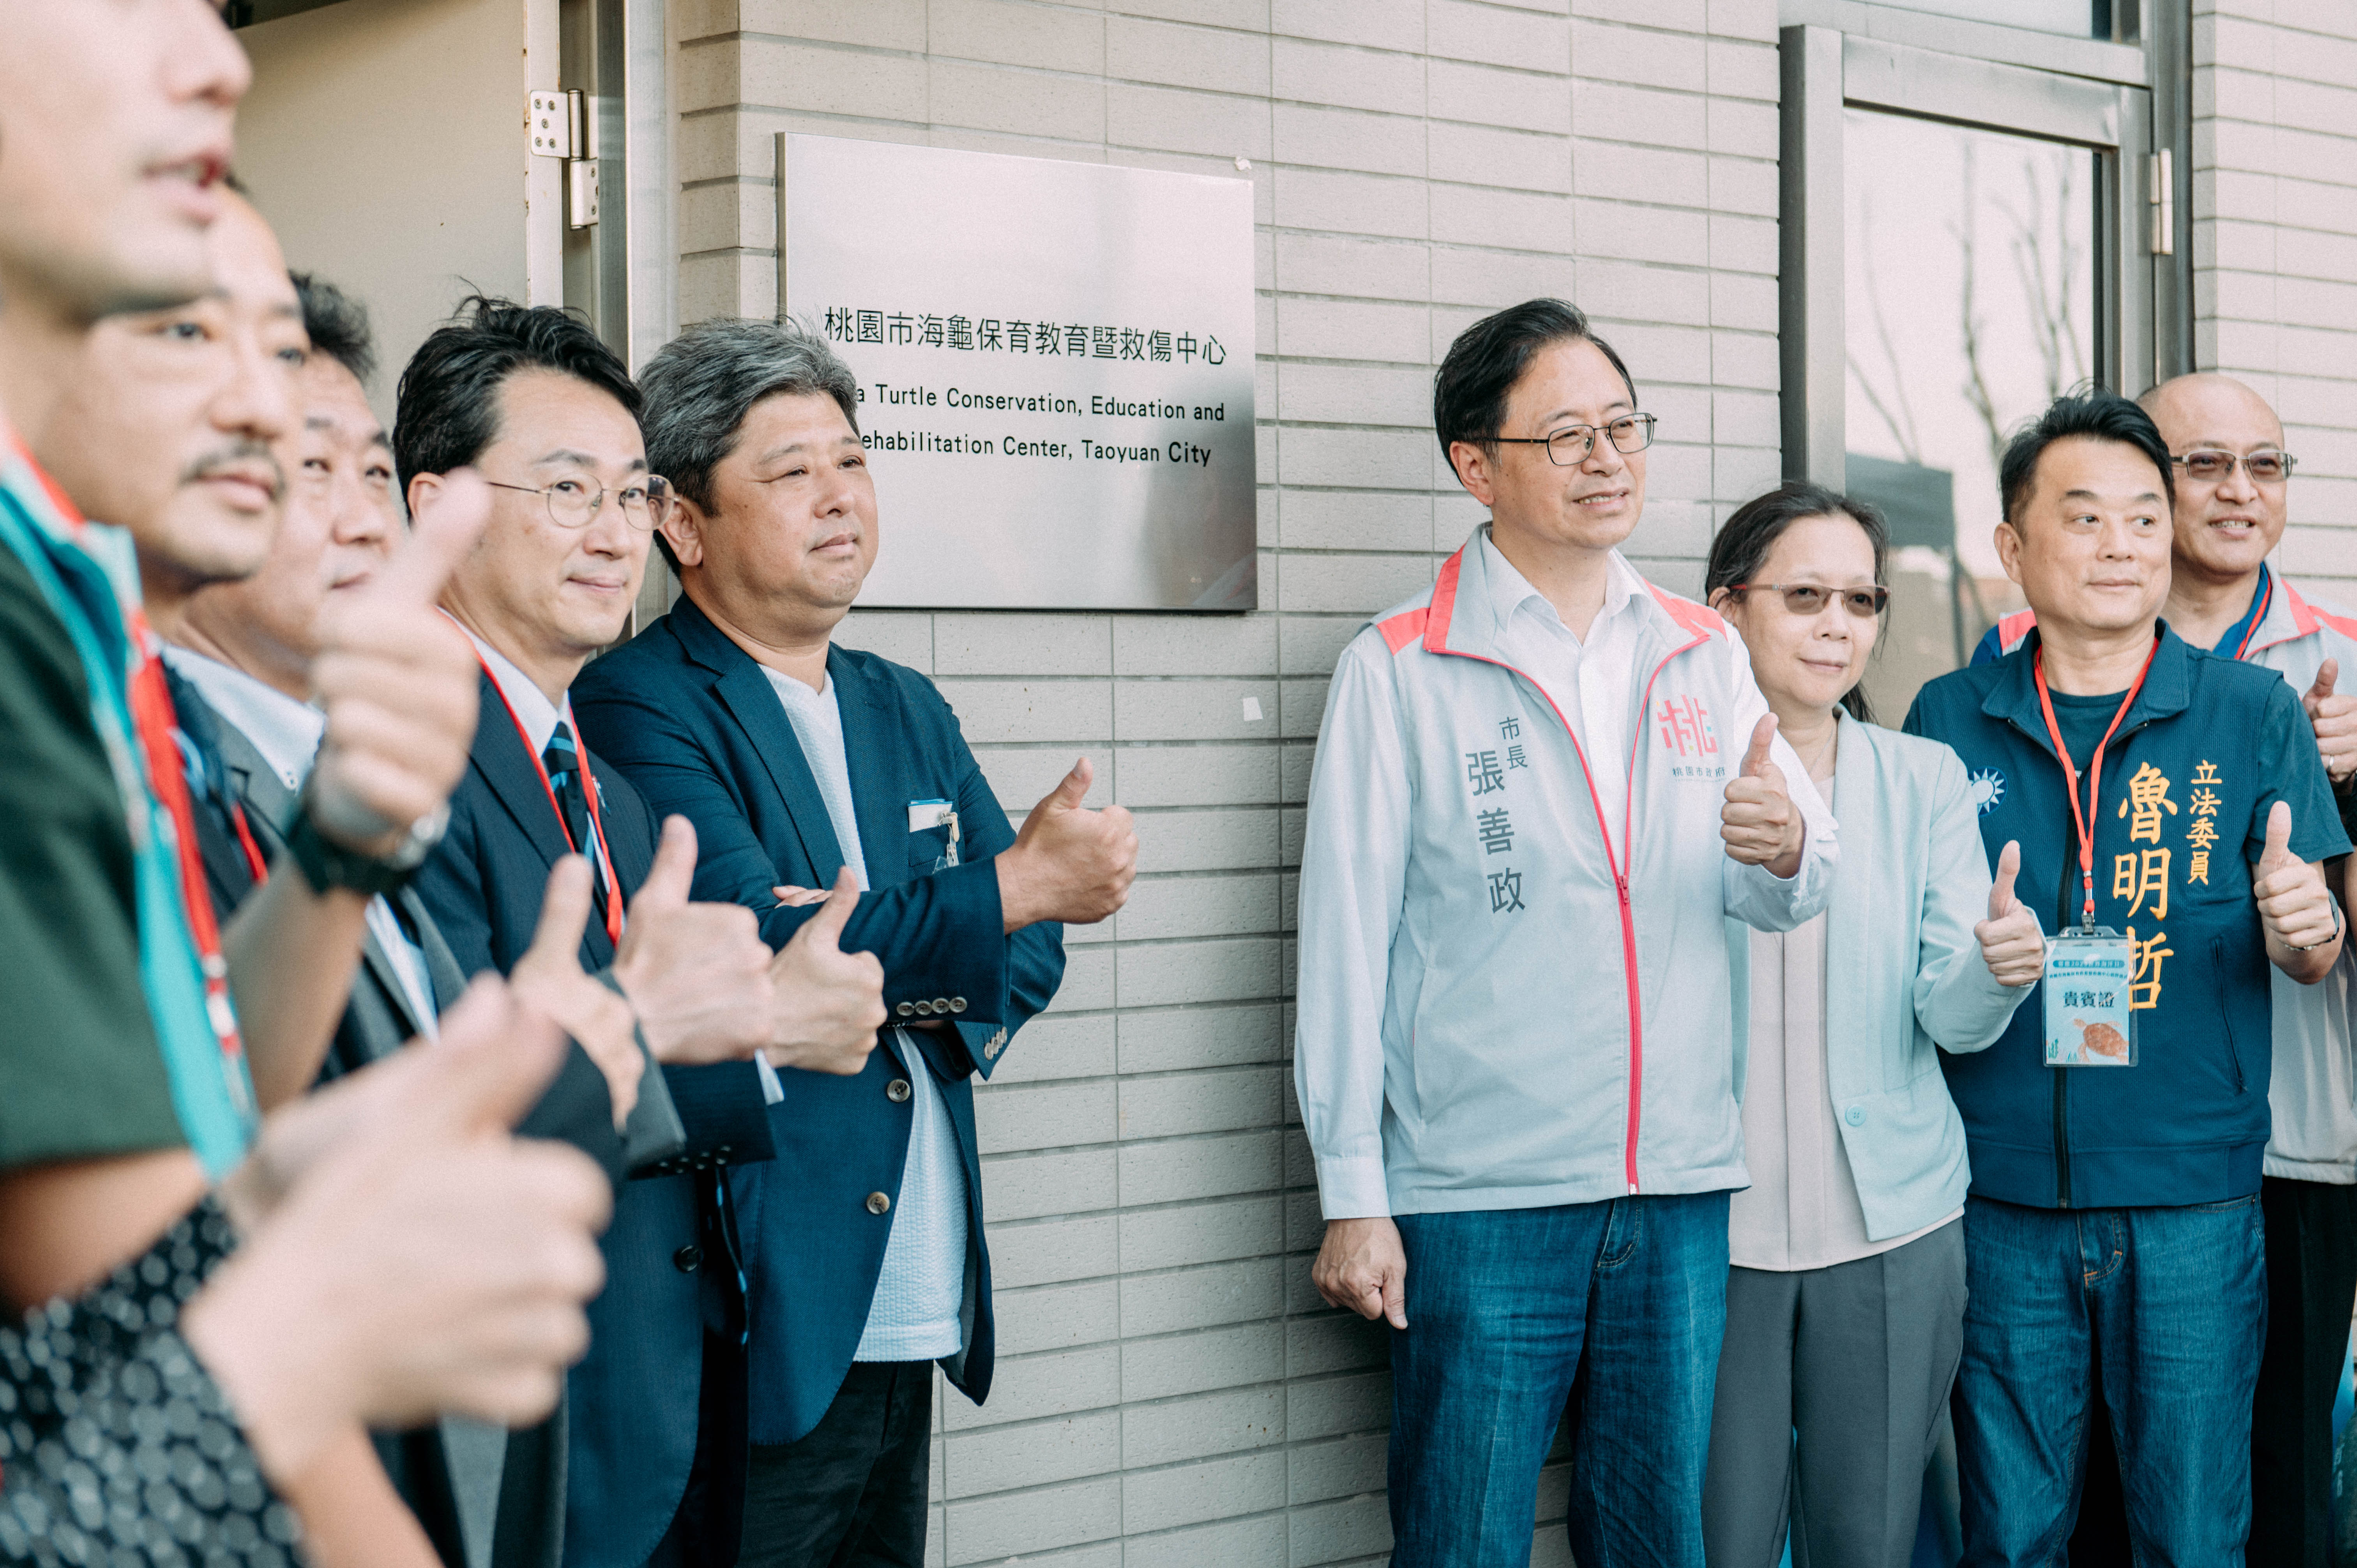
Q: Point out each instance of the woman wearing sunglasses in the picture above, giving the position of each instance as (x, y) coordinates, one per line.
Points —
(1845, 1300)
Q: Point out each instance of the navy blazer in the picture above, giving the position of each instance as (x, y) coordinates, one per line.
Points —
(695, 724)
(632, 1403)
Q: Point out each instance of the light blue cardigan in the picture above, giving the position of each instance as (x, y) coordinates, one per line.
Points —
(1904, 978)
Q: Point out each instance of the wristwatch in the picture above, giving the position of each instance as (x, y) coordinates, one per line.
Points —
(328, 864)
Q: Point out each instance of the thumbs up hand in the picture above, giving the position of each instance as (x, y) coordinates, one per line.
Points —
(2012, 945)
(404, 1254)
(2334, 719)
(397, 682)
(549, 980)
(1067, 862)
(1760, 823)
(829, 1003)
(698, 974)
(2295, 906)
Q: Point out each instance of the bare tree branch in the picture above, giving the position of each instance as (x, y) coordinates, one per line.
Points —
(1896, 414)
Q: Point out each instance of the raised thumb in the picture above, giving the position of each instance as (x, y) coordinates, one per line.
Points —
(2325, 677)
(825, 928)
(2009, 866)
(1073, 787)
(667, 884)
(1763, 735)
(443, 526)
(564, 914)
(491, 1064)
(2279, 847)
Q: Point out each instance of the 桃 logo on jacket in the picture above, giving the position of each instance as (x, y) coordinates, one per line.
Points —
(1987, 787)
(1689, 736)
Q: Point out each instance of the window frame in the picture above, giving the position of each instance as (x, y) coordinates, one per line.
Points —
(2142, 314)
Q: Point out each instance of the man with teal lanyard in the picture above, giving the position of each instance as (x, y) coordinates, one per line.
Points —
(124, 1089)
(2233, 502)
(2173, 802)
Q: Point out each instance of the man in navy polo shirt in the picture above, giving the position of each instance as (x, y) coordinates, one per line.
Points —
(2114, 1219)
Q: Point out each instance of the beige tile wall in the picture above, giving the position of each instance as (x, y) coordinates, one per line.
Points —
(1170, 1391)
(2275, 246)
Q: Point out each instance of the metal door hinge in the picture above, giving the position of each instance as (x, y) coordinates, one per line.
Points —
(553, 119)
(581, 193)
(2161, 200)
(564, 126)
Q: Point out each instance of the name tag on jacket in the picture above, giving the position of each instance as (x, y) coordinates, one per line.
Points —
(925, 816)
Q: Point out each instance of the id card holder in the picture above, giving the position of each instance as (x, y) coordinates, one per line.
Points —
(926, 815)
(2089, 1022)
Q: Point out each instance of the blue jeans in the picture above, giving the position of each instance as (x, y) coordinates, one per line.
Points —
(1505, 1309)
(2170, 1304)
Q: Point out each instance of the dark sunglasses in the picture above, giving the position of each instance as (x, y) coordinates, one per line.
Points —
(1809, 598)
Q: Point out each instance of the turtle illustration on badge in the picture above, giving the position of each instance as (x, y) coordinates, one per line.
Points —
(2103, 1040)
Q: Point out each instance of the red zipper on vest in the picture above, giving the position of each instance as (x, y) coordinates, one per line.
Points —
(1620, 876)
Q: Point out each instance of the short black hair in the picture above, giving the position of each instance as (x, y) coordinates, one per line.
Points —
(1470, 389)
(2093, 414)
(446, 410)
(336, 324)
(1746, 538)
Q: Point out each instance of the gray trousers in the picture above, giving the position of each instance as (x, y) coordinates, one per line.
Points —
(1856, 1363)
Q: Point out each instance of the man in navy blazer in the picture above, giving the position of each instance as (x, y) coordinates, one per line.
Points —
(536, 403)
(797, 760)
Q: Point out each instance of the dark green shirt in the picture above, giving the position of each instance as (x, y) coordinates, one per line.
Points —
(81, 1073)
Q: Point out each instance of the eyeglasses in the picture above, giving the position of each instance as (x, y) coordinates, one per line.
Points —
(574, 503)
(1570, 446)
(2211, 467)
(1808, 598)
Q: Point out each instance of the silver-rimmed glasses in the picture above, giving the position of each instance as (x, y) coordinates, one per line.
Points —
(2212, 466)
(1570, 446)
(645, 502)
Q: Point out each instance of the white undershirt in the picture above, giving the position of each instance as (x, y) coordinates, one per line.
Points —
(917, 1313)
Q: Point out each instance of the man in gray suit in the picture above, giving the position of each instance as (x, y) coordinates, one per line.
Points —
(247, 648)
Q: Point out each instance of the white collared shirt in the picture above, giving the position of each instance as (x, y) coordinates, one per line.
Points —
(1590, 680)
(287, 733)
(531, 705)
(537, 716)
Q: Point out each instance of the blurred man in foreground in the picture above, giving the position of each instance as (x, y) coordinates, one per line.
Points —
(406, 1255)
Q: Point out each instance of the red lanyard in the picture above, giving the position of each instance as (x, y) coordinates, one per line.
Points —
(2257, 615)
(2085, 823)
(152, 723)
(588, 794)
(254, 861)
(152, 718)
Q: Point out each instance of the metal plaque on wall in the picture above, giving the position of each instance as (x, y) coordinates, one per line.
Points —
(1055, 367)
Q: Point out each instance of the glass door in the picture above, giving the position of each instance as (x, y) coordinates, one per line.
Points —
(1971, 296)
(1962, 240)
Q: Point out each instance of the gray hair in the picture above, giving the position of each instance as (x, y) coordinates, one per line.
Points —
(704, 382)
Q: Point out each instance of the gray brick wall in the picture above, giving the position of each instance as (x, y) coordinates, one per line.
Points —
(2275, 246)
(1170, 1391)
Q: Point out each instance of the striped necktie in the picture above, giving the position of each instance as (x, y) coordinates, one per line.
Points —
(563, 761)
